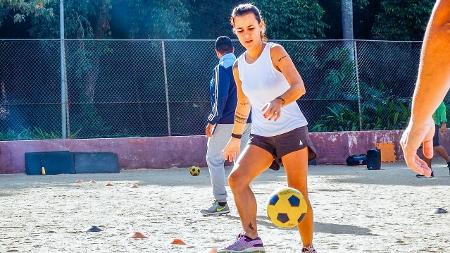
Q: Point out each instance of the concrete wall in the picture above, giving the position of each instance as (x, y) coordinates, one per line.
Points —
(167, 152)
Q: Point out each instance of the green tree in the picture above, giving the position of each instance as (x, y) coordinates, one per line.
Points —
(402, 19)
(156, 19)
(37, 17)
(293, 19)
(94, 18)
(83, 19)
(363, 13)
(210, 19)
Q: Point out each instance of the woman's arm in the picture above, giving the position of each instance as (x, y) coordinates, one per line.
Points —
(241, 114)
(243, 106)
(282, 62)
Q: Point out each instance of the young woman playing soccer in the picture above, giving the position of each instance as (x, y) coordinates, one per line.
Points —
(268, 84)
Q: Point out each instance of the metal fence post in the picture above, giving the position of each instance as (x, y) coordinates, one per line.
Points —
(65, 130)
(355, 53)
(166, 87)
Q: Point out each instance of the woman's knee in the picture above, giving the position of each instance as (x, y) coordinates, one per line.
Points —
(237, 179)
(301, 188)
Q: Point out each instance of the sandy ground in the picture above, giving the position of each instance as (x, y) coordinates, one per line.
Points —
(356, 210)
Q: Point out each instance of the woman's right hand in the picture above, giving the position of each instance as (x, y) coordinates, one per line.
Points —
(232, 149)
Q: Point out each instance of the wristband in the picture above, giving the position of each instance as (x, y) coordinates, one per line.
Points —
(237, 136)
(282, 100)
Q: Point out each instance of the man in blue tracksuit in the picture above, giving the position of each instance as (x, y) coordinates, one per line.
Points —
(223, 97)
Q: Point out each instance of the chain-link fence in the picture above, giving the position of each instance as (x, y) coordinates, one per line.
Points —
(160, 87)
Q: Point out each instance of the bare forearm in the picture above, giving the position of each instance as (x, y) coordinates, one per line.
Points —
(240, 117)
(434, 72)
(293, 93)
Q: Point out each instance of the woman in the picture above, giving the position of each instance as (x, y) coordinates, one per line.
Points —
(268, 84)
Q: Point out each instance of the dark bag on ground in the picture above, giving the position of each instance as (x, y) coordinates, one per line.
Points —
(373, 159)
(354, 160)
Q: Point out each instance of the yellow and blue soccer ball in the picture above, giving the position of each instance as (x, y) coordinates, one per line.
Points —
(194, 170)
(286, 207)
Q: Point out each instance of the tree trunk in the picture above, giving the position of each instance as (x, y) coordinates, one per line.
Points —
(347, 19)
(350, 45)
(101, 30)
(102, 25)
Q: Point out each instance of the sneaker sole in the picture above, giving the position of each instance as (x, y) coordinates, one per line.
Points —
(215, 213)
(253, 250)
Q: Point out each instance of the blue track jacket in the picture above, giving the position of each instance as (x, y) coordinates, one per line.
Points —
(222, 91)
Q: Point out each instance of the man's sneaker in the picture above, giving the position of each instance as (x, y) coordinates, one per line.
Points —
(216, 209)
(244, 244)
(420, 175)
(309, 249)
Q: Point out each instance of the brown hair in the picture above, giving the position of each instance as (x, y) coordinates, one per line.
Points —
(243, 9)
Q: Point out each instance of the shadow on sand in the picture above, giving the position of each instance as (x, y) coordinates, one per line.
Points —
(319, 227)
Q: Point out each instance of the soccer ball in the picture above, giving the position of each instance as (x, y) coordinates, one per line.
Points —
(194, 170)
(286, 207)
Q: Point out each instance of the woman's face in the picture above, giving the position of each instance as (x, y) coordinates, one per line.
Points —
(248, 30)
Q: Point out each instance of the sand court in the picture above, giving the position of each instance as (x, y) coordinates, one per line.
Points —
(356, 210)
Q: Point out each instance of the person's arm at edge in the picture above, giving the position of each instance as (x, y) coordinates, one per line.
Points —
(434, 72)
(431, 88)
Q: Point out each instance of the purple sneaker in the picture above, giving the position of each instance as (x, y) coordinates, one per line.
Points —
(244, 244)
(309, 249)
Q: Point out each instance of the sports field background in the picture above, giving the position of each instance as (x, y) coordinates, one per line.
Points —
(356, 210)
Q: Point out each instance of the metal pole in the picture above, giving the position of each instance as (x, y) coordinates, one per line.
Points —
(64, 105)
(166, 87)
(355, 53)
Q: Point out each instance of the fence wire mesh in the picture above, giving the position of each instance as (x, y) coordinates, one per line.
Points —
(120, 88)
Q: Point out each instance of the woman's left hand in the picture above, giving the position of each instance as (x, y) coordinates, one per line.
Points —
(272, 110)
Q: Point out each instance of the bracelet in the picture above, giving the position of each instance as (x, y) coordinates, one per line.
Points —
(237, 136)
(282, 100)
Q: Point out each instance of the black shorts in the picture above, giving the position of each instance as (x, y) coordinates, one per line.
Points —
(436, 136)
(283, 144)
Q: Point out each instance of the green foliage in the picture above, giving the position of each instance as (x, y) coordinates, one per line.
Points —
(30, 134)
(402, 20)
(339, 118)
(92, 122)
(43, 17)
(202, 19)
(373, 94)
(210, 19)
(388, 114)
(339, 75)
(93, 19)
(290, 19)
(362, 15)
(293, 19)
(39, 14)
(158, 19)
(360, 4)
(381, 110)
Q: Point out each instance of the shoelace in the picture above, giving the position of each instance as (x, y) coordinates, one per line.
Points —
(240, 235)
(309, 249)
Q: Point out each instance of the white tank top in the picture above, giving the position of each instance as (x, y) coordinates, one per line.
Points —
(262, 83)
